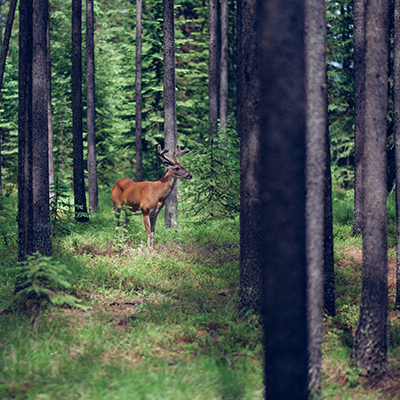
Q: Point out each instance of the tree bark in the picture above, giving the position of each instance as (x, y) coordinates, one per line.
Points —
(316, 126)
(396, 74)
(6, 40)
(25, 199)
(3, 55)
(223, 113)
(370, 340)
(359, 100)
(170, 131)
(50, 121)
(40, 134)
(138, 94)
(213, 69)
(91, 110)
(282, 179)
(329, 259)
(77, 140)
(248, 126)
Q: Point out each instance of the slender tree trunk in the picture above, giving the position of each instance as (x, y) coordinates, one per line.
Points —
(213, 69)
(329, 260)
(6, 40)
(1, 130)
(359, 100)
(397, 138)
(25, 199)
(3, 55)
(170, 131)
(248, 126)
(223, 114)
(50, 120)
(282, 99)
(138, 89)
(370, 340)
(316, 126)
(40, 134)
(91, 110)
(76, 80)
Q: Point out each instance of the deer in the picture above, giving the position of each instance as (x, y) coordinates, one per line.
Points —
(149, 197)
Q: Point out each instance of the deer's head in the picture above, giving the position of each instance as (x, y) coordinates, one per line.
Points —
(171, 161)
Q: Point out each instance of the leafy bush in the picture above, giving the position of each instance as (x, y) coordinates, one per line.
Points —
(40, 279)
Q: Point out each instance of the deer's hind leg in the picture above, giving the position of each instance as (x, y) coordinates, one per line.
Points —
(117, 214)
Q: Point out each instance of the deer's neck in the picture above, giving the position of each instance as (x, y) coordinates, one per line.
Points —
(169, 181)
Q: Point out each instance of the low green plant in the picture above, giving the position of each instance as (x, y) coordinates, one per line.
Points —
(40, 279)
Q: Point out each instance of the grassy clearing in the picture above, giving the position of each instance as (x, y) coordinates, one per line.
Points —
(164, 324)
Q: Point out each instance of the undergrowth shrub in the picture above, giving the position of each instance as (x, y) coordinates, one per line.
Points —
(40, 279)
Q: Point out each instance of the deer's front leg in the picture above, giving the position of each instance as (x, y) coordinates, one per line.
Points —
(153, 219)
(146, 220)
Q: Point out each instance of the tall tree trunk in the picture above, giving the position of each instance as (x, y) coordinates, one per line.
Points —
(138, 95)
(316, 126)
(396, 74)
(370, 340)
(40, 133)
(76, 80)
(6, 40)
(359, 100)
(248, 126)
(50, 121)
(283, 250)
(170, 132)
(223, 114)
(213, 69)
(25, 199)
(329, 259)
(91, 110)
(3, 55)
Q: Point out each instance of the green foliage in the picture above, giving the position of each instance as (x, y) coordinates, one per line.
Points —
(214, 191)
(340, 89)
(41, 279)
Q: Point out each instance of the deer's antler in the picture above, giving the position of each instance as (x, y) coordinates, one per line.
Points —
(179, 152)
(166, 159)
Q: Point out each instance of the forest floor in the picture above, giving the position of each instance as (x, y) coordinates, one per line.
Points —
(345, 381)
(164, 324)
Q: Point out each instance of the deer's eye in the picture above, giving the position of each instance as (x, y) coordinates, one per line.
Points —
(176, 168)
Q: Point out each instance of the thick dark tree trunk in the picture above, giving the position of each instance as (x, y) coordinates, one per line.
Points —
(223, 107)
(25, 199)
(316, 126)
(213, 70)
(282, 178)
(359, 102)
(170, 132)
(248, 126)
(40, 134)
(138, 94)
(91, 111)
(77, 140)
(396, 74)
(370, 340)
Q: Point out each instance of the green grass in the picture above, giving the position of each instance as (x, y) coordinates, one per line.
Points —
(164, 324)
